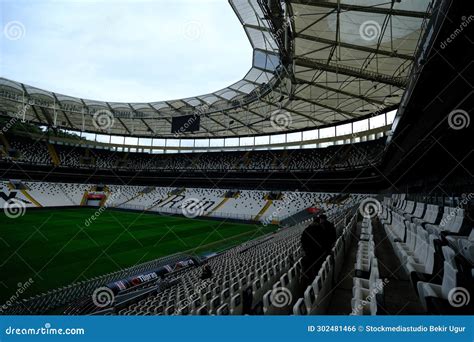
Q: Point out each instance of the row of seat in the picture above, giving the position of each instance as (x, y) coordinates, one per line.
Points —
(266, 285)
(448, 224)
(424, 252)
(279, 299)
(317, 296)
(240, 277)
(432, 217)
(367, 290)
(347, 156)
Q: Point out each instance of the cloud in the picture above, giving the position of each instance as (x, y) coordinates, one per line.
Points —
(128, 51)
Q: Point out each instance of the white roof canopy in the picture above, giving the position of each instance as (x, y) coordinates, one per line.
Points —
(341, 60)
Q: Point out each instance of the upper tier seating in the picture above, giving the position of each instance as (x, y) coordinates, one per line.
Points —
(33, 152)
(330, 158)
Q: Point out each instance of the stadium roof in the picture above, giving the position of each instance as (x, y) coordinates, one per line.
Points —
(315, 63)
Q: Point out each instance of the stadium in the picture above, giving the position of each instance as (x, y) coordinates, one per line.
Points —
(354, 116)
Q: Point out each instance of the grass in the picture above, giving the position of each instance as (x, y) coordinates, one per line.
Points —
(57, 247)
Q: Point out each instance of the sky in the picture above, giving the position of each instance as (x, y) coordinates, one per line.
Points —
(125, 50)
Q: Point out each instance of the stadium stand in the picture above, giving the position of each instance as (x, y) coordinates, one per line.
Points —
(44, 194)
(396, 185)
(263, 276)
(248, 205)
(426, 252)
(351, 156)
(29, 152)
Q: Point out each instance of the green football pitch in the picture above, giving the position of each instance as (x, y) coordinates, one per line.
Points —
(58, 247)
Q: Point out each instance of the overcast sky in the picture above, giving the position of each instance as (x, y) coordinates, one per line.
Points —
(124, 51)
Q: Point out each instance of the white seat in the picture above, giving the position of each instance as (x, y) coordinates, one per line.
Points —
(299, 308)
(403, 249)
(195, 305)
(225, 295)
(408, 209)
(466, 249)
(257, 292)
(223, 310)
(265, 281)
(364, 262)
(418, 212)
(449, 282)
(366, 291)
(268, 307)
(419, 252)
(364, 307)
(396, 230)
(430, 216)
(366, 231)
(310, 297)
(423, 260)
(338, 253)
(361, 286)
(451, 221)
(202, 310)
(324, 286)
(214, 304)
(236, 306)
(463, 245)
(316, 296)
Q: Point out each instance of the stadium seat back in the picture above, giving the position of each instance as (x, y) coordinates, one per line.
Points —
(236, 305)
(223, 310)
(300, 308)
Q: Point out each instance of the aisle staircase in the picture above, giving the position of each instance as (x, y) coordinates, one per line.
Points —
(30, 198)
(263, 210)
(6, 145)
(53, 154)
(84, 198)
